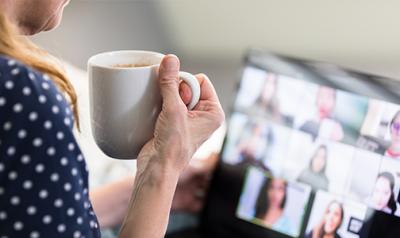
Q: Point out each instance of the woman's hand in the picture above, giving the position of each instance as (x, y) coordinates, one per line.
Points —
(179, 132)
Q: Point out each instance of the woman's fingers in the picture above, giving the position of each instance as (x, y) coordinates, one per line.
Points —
(207, 90)
(168, 77)
(185, 92)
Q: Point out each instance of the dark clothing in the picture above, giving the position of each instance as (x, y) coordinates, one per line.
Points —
(43, 175)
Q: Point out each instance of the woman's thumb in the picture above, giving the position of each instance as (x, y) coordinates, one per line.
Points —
(168, 77)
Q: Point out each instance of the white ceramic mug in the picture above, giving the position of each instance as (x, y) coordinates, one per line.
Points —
(125, 101)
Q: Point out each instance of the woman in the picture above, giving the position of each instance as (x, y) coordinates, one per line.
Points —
(270, 205)
(393, 151)
(331, 222)
(268, 99)
(43, 177)
(382, 197)
(315, 173)
(324, 124)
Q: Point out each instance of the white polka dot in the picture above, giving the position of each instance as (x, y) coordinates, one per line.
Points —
(77, 234)
(61, 228)
(37, 142)
(59, 97)
(34, 234)
(3, 215)
(18, 225)
(26, 91)
(18, 107)
(31, 76)
(64, 161)
(86, 205)
(27, 184)
(47, 125)
(46, 77)
(85, 191)
(15, 71)
(58, 202)
(21, 134)
(51, 151)
(47, 219)
(91, 224)
(60, 135)
(11, 62)
(12, 175)
(71, 146)
(67, 187)
(67, 111)
(31, 210)
(43, 194)
(39, 168)
(74, 171)
(2, 101)
(33, 116)
(55, 109)
(80, 181)
(45, 86)
(1, 167)
(80, 157)
(11, 151)
(42, 99)
(70, 212)
(54, 177)
(77, 196)
(67, 121)
(9, 85)
(79, 220)
(25, 159)
(7, 126)
(14, 200)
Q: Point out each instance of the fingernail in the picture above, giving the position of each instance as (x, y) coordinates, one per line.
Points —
(171, 62)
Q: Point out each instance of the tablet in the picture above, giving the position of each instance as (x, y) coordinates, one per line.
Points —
(312, 150)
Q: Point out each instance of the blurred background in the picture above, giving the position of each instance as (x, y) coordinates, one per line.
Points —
(212, 36)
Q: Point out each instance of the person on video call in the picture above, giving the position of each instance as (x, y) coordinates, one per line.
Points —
(382, 197)
(393, 151)
(330, 223)
(270, 205)
(315, 173)
(324, 124)
(252, 149)
(43, 180)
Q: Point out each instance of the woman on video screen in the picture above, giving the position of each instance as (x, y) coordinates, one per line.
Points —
(324, 123)
(330, 223)
(393, 151)
(271, 203)
(382, 197)
(315, 175)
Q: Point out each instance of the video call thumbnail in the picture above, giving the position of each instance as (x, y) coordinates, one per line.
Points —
(335, 217)
(273, 202)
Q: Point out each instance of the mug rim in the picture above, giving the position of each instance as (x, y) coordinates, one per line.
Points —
(91, 60)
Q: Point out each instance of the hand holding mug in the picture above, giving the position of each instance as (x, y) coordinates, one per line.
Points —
(179, 131)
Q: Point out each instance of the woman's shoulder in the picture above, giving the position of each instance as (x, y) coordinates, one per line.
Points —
(24, 88)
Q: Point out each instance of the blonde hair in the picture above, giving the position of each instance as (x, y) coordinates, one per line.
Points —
(19, 47)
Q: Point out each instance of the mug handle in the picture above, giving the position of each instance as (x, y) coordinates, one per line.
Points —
(194, 85)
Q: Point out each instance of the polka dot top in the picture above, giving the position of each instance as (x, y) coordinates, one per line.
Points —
(43, 175)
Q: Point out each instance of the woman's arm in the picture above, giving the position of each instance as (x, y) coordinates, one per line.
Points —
(178, 134)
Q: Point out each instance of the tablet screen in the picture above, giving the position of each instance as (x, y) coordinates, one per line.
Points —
(318, 161)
